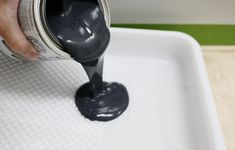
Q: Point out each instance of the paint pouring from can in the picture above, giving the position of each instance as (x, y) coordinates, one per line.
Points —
(80, 27)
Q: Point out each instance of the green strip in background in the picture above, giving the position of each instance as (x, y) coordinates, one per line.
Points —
(204, 34)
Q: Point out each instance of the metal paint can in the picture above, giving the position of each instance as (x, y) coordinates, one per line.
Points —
(31, 17)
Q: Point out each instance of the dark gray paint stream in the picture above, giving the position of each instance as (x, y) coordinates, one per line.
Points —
(80, 27)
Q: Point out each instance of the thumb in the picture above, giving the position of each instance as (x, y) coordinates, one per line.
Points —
(16, 40)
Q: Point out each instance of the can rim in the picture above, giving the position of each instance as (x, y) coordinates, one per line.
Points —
(42, 32)
(105, 8)
(45, 24)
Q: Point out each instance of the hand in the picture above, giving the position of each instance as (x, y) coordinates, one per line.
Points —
(10, 30)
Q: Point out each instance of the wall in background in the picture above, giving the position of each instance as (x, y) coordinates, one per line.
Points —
(173, 11)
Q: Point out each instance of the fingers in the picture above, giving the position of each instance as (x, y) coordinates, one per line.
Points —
(17, 41)
(11, 32)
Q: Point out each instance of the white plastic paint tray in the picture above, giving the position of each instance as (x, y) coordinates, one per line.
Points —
(171, 106)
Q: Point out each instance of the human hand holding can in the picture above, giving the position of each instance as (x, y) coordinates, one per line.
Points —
(11, 33)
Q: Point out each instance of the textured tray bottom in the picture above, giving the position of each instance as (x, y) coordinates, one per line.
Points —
(37, 109)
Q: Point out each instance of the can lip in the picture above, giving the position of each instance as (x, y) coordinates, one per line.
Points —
(105, 8)
(45, 24)
(42, 32)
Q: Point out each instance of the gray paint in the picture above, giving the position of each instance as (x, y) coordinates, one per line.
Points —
(80, 27)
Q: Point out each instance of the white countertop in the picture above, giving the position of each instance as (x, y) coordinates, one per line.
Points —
(220, 62)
